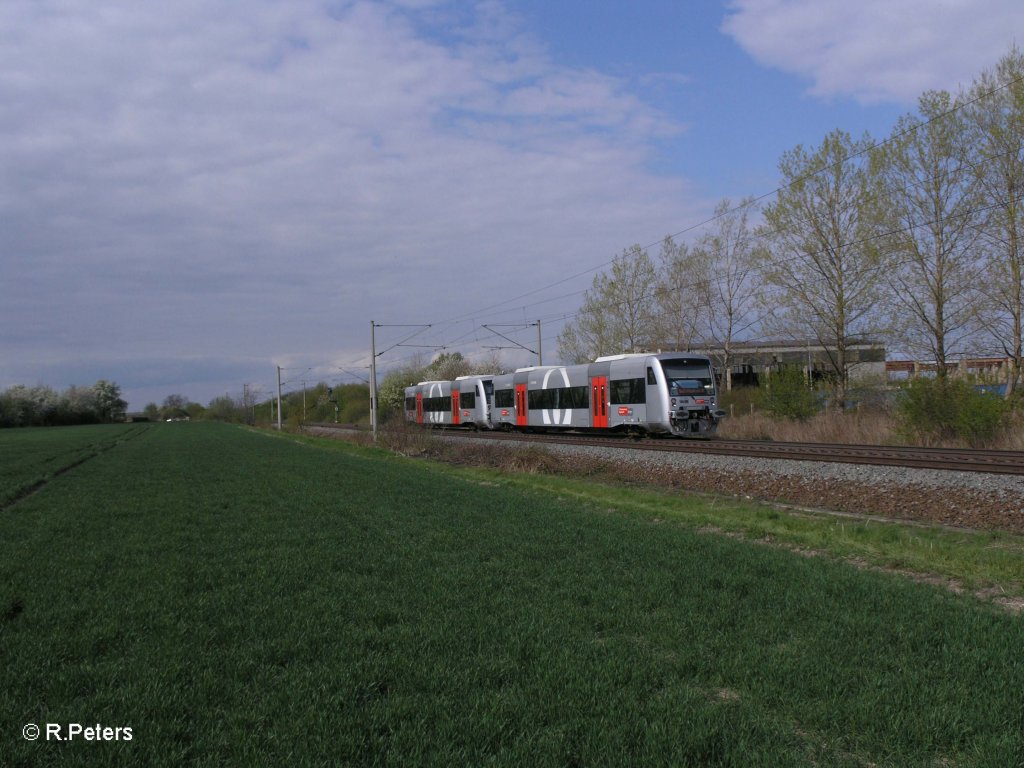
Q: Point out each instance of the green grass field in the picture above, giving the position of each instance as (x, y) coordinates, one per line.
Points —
(237, 598)
(29, 457)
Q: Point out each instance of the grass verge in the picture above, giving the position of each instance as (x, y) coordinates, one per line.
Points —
(986, 563)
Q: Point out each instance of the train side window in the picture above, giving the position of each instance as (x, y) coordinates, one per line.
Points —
(630, 391)
(539, 399)
(562, 397)
(576, 397)
(650, 376)
(437, 404)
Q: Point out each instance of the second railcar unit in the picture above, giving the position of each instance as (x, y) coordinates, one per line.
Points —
(463, 402)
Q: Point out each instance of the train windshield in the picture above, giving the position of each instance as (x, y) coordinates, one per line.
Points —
(688, 377)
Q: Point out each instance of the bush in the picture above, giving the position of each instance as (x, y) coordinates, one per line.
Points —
(739, 401)
(931, 410)
(785, 394)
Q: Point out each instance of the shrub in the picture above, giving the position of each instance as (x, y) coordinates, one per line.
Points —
(937, 409)
(739, 401)
(785, 394)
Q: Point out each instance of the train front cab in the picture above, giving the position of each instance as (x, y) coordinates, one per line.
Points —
(666, 393)
(689, 394)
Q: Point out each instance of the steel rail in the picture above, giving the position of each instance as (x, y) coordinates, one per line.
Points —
(959, 460)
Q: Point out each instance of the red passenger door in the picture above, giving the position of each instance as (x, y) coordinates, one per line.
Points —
(521, 412)
(455, 409)
(599, 401)
(419, 407)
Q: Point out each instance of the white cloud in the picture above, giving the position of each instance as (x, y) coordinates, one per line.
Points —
(877, 50)
(206, 178)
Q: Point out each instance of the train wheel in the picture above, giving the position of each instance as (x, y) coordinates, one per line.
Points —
(636, 433)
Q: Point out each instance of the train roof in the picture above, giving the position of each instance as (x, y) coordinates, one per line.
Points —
(624, 356)
(659, 355)
(538, 368)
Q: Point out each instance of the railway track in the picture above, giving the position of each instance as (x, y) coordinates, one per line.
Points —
(959, 460)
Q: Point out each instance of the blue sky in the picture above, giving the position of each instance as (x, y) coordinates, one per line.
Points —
(192, 194)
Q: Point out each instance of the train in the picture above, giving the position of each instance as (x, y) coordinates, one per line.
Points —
(665, 394)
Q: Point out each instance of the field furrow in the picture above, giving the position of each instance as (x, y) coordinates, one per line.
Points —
(30, 457)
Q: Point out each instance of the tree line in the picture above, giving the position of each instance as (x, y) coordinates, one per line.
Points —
(913, 240)
(320, 402)
(44, 406)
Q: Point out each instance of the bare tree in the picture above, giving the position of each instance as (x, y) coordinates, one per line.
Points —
(447, 366)
(251, 396)
(618, 311)
(817, 258)
(730, 288)
(489, 363)
(996, 115)
(927, 208)
(680, 296)
(175, 402)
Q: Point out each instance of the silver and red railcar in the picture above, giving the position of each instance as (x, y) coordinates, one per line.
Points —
(671, 393)
(465, 402)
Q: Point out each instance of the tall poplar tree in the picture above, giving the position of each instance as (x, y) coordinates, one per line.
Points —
(681, 296)
(927, 209)
(819, 260)
(727, 253)
(618, 311)
(996, 115)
